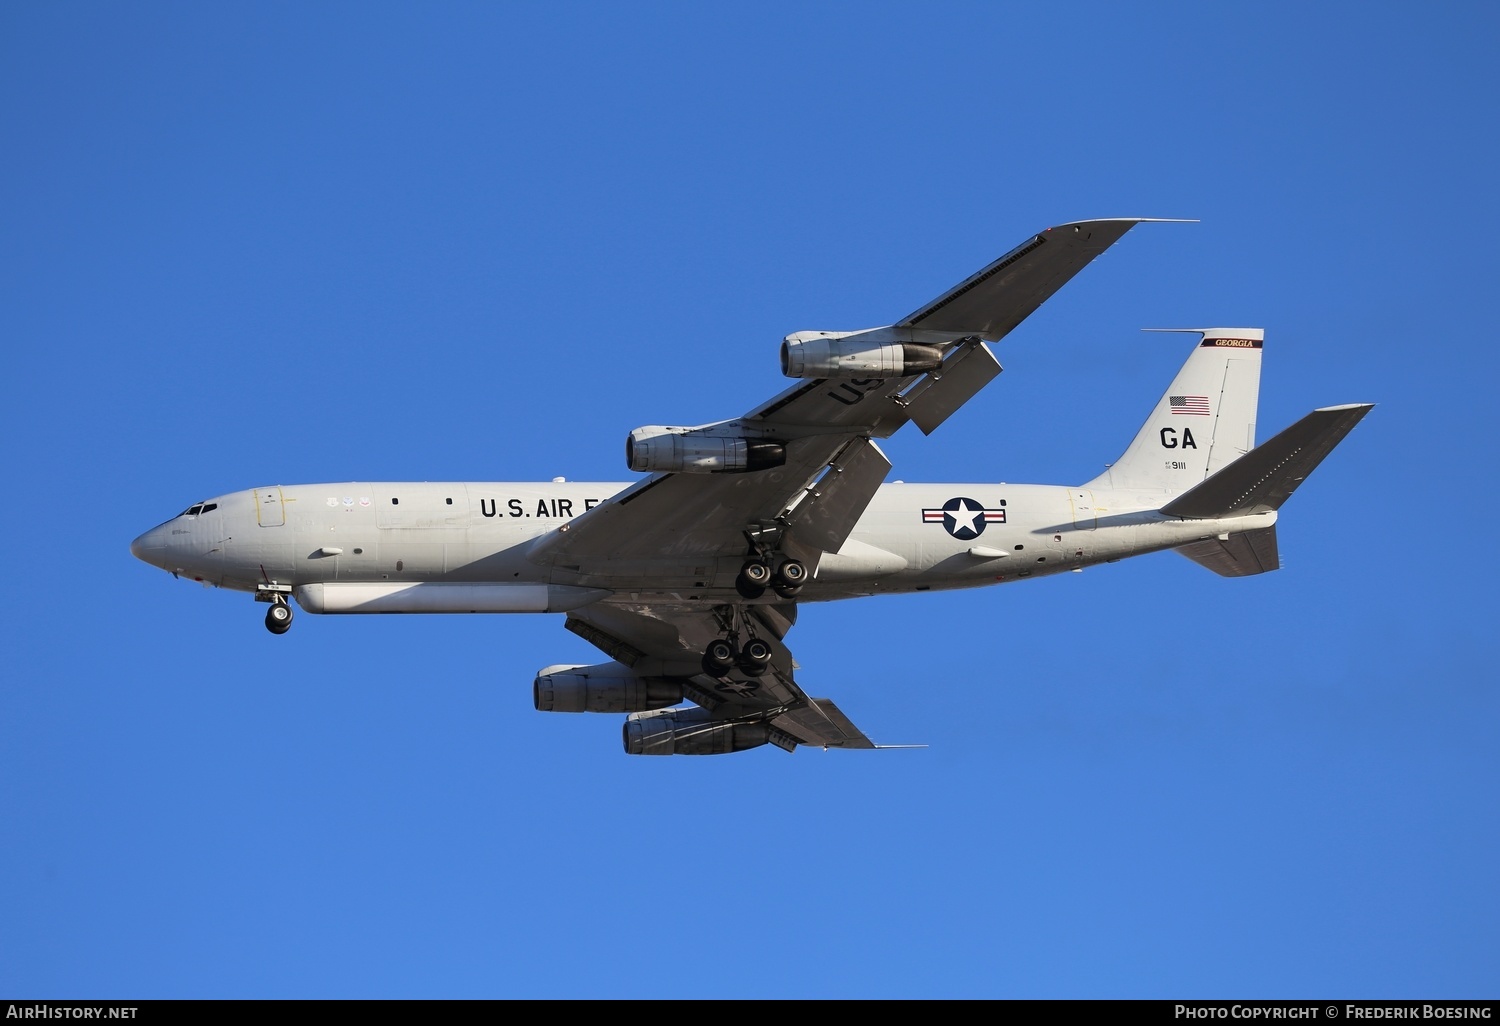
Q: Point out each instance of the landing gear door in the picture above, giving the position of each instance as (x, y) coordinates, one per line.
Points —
(270, 507)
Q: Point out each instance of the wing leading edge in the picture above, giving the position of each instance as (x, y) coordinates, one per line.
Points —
(993, 300)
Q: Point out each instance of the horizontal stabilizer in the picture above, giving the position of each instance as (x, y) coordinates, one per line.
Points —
(1239, 555)
(1266, 476)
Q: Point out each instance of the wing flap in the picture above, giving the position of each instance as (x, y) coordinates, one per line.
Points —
(939, 395)
(822, 724)
(826, 517)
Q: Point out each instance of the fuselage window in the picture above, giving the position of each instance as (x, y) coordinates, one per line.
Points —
(450, 502)
(395, 501)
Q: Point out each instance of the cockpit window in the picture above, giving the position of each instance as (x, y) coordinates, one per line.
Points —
(202, 507)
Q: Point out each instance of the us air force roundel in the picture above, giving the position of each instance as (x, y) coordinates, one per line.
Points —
(964, 518)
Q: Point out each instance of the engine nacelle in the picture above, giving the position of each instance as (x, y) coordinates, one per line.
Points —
(843, 358)
(605, 687)
(690, 732)
(675, 450)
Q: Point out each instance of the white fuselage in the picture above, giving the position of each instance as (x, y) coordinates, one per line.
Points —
(380, 547)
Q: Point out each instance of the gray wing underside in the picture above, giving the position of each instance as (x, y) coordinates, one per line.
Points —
(699, 516)
(693, 518)
(987, 305)
(667, 639)
(994, 300)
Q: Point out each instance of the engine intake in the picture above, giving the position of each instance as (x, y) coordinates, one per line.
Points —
(841, 358)
(674, 450)
(605, 687)
(690, 732)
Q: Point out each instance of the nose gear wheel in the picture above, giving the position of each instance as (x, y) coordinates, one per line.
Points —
(279, 617)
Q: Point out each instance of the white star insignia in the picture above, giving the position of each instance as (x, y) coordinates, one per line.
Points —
(966, 517)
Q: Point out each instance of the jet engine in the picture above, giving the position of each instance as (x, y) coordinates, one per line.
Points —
(673, 449)
(605, 687)
(843, 358)
(690, 732)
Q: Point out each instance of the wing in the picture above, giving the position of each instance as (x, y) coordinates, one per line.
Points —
(674, 526)
(993, 301)
(672, 547)
(665, 640)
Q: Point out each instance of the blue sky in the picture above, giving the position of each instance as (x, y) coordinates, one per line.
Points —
(293, 243)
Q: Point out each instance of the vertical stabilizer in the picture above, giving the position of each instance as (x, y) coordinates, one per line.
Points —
(1205, 420)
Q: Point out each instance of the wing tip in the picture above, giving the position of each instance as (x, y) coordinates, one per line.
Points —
(1124, 220)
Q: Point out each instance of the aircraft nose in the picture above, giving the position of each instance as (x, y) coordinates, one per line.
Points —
(149, 547)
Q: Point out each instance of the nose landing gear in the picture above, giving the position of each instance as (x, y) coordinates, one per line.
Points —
(279, 616)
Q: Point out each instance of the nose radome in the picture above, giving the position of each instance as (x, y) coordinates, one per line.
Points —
(147, 546)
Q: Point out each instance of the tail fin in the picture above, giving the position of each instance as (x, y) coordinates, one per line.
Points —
(1205, 420)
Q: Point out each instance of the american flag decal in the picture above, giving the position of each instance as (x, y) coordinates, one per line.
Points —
(1189, 405)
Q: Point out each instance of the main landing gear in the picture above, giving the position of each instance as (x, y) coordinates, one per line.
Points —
(767, 566)
(726, 654)
(757, 575)
(279, 616)
(721, 656)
